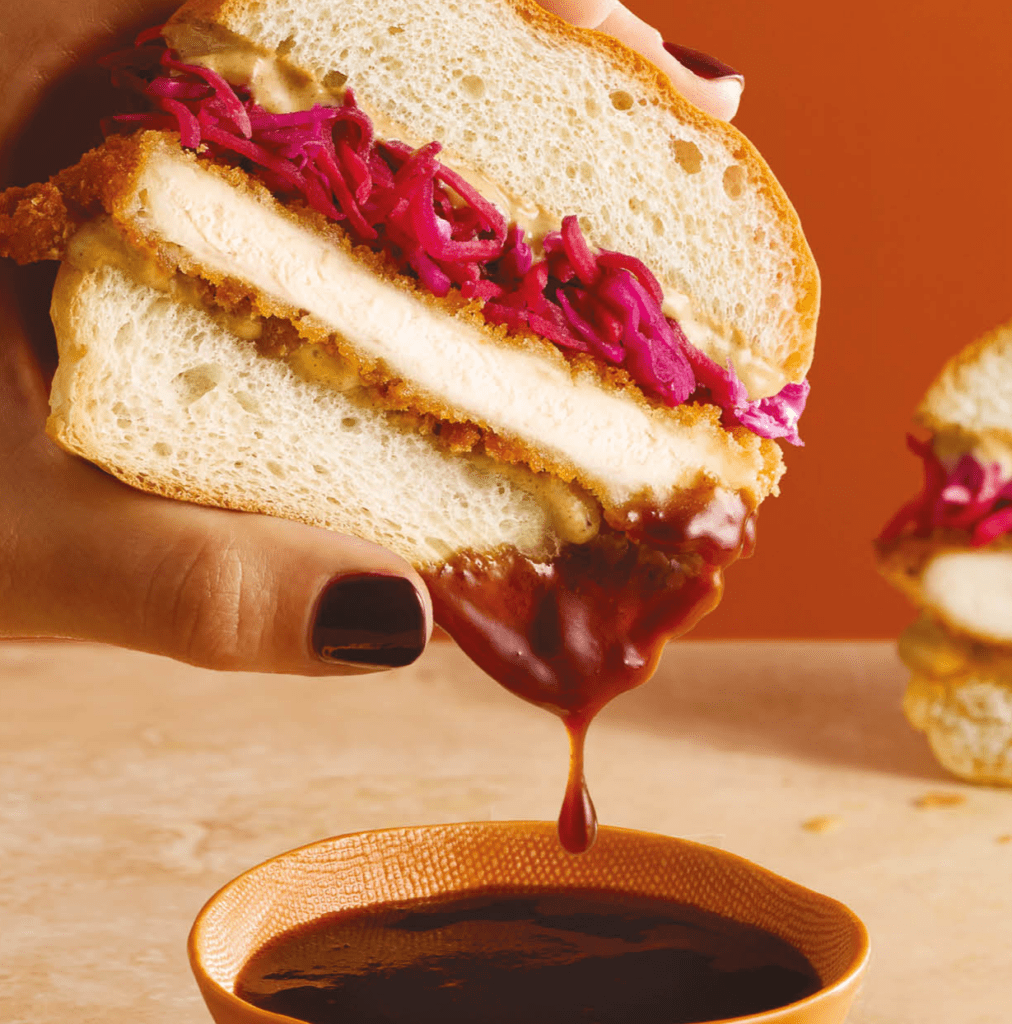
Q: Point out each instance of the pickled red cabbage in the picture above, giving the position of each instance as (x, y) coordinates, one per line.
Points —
(968, 496)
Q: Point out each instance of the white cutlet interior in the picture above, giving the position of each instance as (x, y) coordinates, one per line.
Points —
(972, 590)
(618, 447)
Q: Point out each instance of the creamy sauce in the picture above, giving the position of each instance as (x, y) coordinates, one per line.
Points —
(98, 242)
(318, 366)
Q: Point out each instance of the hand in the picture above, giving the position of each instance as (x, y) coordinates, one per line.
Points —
(704, 81)
(83, 556)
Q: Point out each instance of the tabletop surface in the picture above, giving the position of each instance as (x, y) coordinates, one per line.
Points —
(131, 788)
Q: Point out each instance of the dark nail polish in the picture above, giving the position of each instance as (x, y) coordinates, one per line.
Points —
(700, 63)
(369, 620)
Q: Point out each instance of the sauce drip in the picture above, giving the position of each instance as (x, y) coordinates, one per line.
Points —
(537, 958)
(577, 819)
(572, 633)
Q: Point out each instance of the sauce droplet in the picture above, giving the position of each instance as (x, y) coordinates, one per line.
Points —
(577, 819)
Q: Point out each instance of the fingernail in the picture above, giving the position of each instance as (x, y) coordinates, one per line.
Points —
(702, 64)
(369, 620)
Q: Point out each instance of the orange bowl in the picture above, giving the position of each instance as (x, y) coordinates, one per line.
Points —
(369, 868)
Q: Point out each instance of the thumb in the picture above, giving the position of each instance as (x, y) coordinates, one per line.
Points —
(223, 590)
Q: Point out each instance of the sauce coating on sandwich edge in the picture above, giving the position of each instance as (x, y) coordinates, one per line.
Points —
(572, 633)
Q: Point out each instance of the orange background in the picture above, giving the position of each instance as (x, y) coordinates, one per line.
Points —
(888, 125)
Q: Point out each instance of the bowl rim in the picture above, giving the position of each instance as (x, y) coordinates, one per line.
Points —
(850, 978)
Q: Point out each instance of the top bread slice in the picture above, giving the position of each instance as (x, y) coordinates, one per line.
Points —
(568, 121)
(973, 393)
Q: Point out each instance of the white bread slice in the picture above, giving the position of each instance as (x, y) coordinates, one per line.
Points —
(568, 121)
(960, 696)
(220, 224)
(160, 394)
(973, 393)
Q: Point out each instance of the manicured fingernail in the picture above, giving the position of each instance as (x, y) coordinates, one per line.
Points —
(702, 64)
(369, 620)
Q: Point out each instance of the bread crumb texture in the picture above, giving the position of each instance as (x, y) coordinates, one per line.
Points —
(968, 722)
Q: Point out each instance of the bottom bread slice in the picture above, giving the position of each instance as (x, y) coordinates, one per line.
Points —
(960, 697)
(162, 395)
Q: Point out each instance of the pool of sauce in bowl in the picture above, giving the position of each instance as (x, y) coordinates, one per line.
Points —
(572, 633)
(535, 958)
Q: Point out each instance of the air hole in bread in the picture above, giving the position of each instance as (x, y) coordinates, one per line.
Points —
(687, 155)
(286, 46)
(440, 547)
(335, 79)
(198, 381)
(162, 449)
(394, 30)
(276, 468)
(734, 181)
(321, 470)
(593, 107)
(474, 86)
(124, 423)
(349, 423)
(621, 100)
(658, 226)
(247, 402)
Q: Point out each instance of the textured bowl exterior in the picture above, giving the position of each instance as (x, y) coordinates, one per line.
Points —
(367, 868)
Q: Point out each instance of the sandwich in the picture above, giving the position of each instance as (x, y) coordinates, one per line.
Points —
(950, 551)
(460, 279)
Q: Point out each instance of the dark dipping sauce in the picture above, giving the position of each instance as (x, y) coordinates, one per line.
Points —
(572, 633)
(540, 959)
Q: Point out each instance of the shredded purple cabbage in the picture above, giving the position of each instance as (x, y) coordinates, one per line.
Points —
(970, 496)
(433, 223)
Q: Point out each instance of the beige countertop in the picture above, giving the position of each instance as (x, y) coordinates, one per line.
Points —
(131, 788)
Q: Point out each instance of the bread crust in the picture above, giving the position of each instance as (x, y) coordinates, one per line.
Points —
(800, 335)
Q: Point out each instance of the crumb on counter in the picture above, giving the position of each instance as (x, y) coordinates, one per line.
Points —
(824, 824)
(932, 800)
